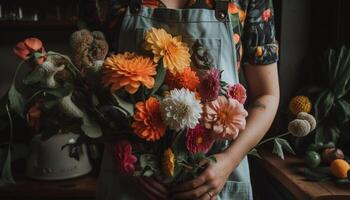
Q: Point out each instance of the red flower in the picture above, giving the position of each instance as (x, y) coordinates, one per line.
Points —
(209, 87)
(198, 140)
(29, 46)
(265, 16)
(238, 92)
(125, 160)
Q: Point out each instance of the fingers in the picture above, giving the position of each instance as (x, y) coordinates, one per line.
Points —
(201, 191)
(150, 190)
(209, 196)
(156, 185)
(190, 185)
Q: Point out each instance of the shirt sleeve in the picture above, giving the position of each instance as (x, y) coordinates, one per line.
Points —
(259, 43)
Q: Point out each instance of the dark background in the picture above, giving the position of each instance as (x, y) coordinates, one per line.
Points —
(305, 29)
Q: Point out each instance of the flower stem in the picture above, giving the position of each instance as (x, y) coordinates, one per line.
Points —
(273, 138)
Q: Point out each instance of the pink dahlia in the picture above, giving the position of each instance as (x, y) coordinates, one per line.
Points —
(125, 160)
(198, 139)
(225, 117)
(209, 88)
(238, 92)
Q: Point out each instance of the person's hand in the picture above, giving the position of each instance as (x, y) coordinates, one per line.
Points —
(209, 184)
(152, 188)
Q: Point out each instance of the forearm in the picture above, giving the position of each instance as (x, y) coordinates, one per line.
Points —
(262, 111)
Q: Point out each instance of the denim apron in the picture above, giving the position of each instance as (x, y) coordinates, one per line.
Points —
(214, 30)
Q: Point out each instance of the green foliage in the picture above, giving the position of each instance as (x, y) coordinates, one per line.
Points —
(149, 165)
(16, 100)
(254, 152)
(6, 172)
(332, 107)
(279, 144)
(161, 73)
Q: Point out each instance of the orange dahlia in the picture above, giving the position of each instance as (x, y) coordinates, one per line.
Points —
(128, 70)
(175, 53)
(148, 123)
(186, 79)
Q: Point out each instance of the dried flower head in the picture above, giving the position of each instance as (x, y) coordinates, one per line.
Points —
(308, 117)
(299, 127)
(88, 49)
(299, 104)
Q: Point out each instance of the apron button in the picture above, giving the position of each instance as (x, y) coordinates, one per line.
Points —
(221, 15)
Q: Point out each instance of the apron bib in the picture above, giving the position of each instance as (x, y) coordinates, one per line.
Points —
(214, 30)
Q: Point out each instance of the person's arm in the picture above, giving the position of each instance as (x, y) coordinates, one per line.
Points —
(264, 92)
(261, 51)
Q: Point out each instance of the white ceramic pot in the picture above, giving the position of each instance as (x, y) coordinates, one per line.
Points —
(48, 161)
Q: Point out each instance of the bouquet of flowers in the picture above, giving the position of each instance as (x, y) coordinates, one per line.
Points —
(162, 111)
(169, 108)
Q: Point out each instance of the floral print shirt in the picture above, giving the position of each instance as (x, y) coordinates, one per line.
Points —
(254, 37)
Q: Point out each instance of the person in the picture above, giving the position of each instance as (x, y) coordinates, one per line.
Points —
(240, 32)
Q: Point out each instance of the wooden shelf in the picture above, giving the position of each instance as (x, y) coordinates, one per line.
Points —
(289, 174)
(82, 188)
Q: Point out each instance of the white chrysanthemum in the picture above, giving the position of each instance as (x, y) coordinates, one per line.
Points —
(181, 109)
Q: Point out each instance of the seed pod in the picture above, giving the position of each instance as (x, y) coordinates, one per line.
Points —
(299, 127)
(308, 117)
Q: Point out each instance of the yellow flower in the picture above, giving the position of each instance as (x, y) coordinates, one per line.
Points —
(168, 163)
(300, 104)
(175, 53)
(128, 70)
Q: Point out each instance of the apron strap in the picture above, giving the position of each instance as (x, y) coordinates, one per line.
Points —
(135, 6)
(221, 8)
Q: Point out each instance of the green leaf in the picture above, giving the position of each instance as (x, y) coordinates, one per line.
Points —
(34, 76)
(178, 146)
(254, 152)
(16, 101)
(319, 136)
(323, 105)
(277, 149)
(161, 72)
(148, 164)
(6, 171)
(127, 108)
(91, 128)
(343, 114)
(285, 145)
